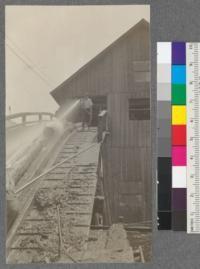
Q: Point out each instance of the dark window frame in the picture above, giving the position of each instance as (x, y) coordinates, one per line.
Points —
(139, 108)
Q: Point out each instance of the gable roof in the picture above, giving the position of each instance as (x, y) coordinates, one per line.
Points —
(63, 85)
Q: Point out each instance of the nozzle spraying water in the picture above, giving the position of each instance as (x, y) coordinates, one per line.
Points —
(69, 110)
(57, 126)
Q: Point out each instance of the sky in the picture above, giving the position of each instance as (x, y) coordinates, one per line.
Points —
(47, 44)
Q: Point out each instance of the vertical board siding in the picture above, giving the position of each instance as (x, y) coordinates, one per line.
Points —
(121, 73)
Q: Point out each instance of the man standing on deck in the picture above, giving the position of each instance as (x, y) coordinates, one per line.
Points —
(86, 111)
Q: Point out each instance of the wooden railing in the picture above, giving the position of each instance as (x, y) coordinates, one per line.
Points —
(24, 118)
(103, 138)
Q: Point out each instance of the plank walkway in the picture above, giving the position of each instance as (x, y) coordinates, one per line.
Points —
(56, 225)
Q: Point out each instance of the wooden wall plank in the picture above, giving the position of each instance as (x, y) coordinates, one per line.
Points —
(128, 154)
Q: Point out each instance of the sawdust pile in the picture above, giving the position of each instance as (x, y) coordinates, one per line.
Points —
(46, 198)
(112, 245)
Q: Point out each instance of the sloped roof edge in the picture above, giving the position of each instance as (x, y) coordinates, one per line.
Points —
(142, 22)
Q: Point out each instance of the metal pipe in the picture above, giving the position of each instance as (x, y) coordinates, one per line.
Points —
(141, 254)
(53, 167)
(60, 237)
(59, 231)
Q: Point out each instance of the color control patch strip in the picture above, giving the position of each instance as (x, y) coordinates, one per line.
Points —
(179, 149)
(178, 116)
(171, 116)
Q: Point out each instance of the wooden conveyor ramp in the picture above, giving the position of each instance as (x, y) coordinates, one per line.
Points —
(56, 225)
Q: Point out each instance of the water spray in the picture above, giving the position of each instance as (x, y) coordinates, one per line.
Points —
(57, 126)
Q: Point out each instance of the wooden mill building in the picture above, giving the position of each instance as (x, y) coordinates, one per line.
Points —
(118, 79)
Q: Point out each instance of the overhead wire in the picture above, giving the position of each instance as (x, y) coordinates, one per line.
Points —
(14, 49)
(27, 61)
